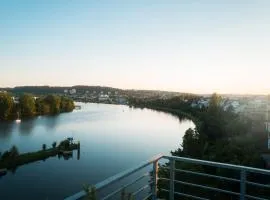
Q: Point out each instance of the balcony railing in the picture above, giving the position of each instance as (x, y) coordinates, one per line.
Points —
(149, 189)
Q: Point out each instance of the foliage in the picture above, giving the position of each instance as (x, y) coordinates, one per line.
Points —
(220, 135)
(6, 105)
(54, 102)
(14, 152)
(66, 105)
(11, 154)
(90, 192)
(65, 145)
(54, 145)
(27, 105)
(12, 159)
(30, 106)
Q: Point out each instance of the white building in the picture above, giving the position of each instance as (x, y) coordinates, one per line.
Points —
(72, 91)
(121, 100)
(103, 97)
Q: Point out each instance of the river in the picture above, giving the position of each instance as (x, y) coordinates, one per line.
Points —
(113, 138)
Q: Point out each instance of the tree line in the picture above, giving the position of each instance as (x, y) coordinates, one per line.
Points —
(220, 135)
(29, 106)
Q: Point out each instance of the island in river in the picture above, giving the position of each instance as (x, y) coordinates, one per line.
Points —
(27, 105)
(11, 159)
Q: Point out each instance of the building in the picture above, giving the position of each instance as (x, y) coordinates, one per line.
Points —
(16, 100)
(121, 100)
(103, 97)
(72, 91)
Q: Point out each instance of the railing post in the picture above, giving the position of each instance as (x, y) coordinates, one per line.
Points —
(155, 179)
(172, 166)
(243, 184)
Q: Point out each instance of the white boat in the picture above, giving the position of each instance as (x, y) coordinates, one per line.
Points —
(18, 120)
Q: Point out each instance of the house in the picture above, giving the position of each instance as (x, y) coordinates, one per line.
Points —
(72, 91)
(16, 100)
(103, 97)
(121, 100)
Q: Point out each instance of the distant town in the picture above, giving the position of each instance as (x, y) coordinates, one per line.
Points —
(248, 105)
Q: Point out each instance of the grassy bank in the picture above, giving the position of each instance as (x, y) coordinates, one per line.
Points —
(177, 112)
(25, 158)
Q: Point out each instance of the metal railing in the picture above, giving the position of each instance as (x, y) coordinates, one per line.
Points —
(173, 171)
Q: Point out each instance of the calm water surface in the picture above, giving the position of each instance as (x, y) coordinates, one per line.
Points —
(113, 138)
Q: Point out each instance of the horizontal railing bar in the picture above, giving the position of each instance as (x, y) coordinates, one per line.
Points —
(186, 195)
(116, 177)
(207, 187)
(148, 196)
(125, 186)
(258, 184)
(256, 198)
(126, 173)
(164, 179)
(218, 164)
(141, 189)
(167, 168)
(190, 196)
(208, 175)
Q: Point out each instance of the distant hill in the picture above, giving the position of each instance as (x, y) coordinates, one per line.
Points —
(39, 90)
(82, 89)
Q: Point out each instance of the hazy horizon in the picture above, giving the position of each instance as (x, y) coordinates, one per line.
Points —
(154, 45)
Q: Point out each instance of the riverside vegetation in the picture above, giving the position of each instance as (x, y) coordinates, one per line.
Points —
(220, 136)
(29, 106)
(12, 159)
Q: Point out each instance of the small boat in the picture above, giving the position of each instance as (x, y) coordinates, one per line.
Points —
(18, 120)
(3, 172)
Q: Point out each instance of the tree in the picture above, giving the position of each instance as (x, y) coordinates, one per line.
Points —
(54, 102)
(90, 192)
(14, 152)
(54, 145)
(65, 144)
(67, 105)
(6, 105)
(5, 155)
(215, 103)
(27, 104)
(44, 147)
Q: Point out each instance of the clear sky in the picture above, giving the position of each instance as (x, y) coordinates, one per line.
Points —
(199, 46)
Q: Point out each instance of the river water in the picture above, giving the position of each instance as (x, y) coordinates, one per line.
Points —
(113, 138)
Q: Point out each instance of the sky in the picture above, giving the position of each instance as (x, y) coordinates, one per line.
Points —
(198, 46)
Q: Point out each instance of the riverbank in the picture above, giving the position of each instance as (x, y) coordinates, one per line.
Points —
(176, 112)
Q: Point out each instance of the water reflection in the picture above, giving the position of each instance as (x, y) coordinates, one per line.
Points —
(114, 136)
(51, 122)
(26, 126)
(6, 129)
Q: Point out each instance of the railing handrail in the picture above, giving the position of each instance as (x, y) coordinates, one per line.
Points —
(218, 164)
(130, 171)
(116, 177)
